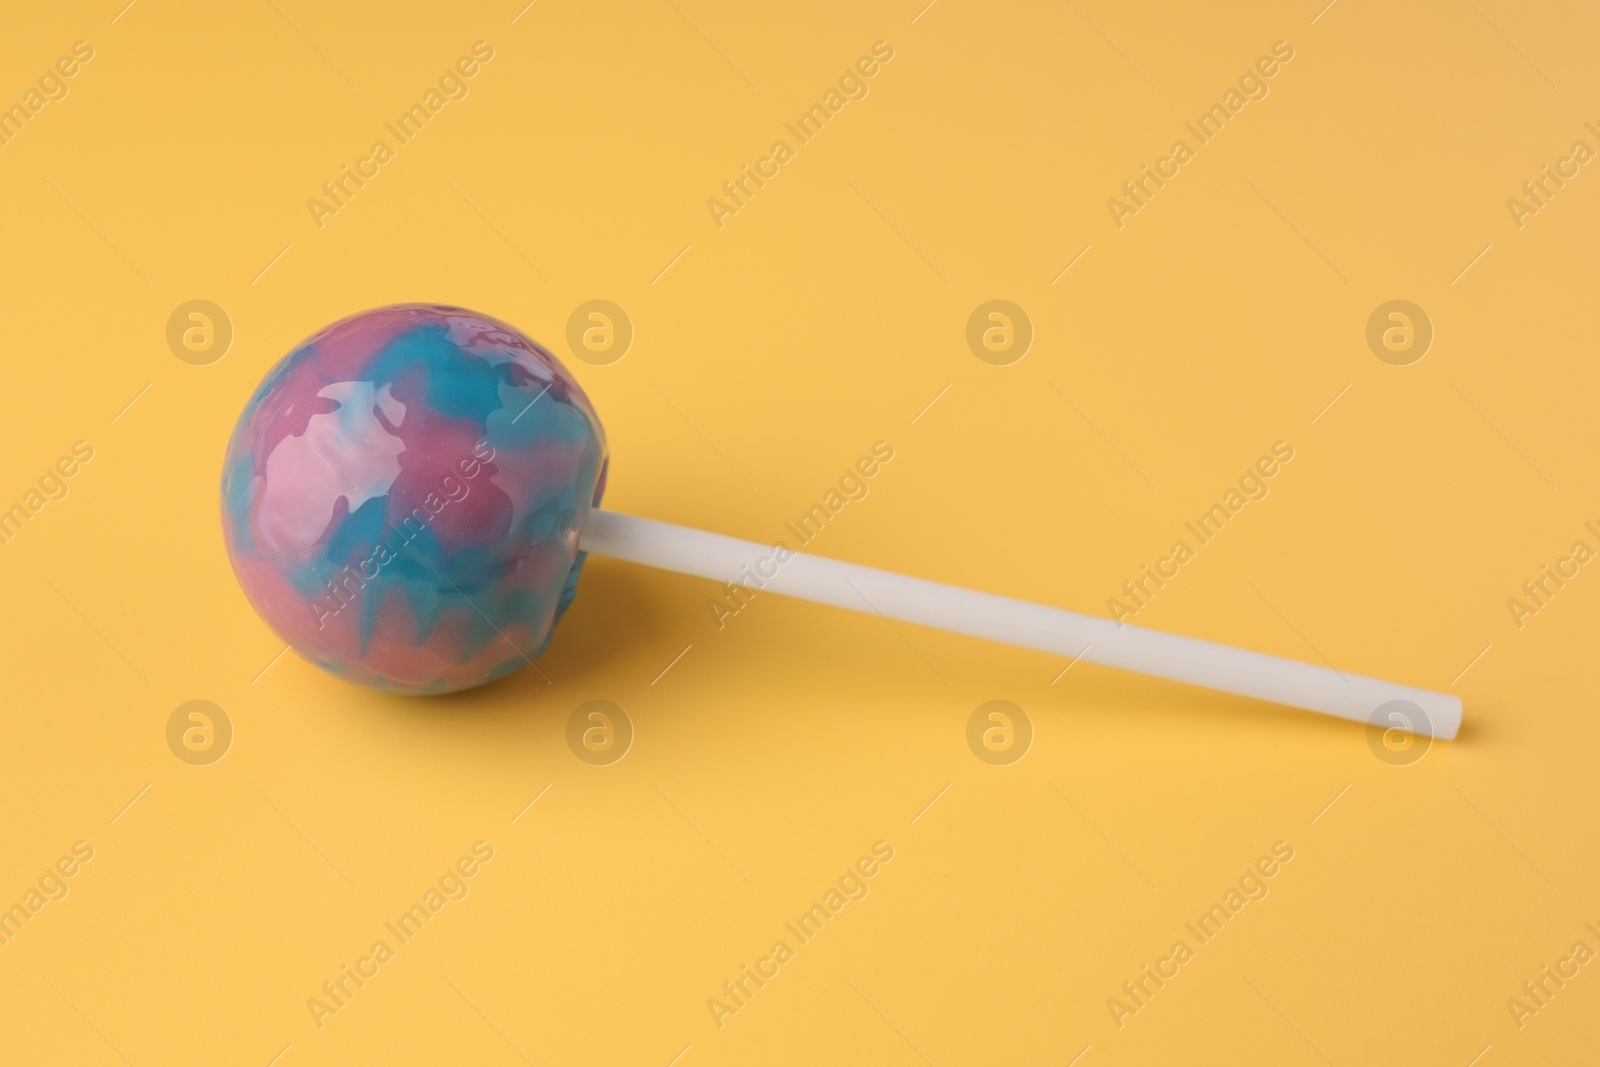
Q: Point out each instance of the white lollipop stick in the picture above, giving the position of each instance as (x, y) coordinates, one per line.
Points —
(1017, 622)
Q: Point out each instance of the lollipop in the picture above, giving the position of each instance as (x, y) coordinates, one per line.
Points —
(403, 495)
(409, 495)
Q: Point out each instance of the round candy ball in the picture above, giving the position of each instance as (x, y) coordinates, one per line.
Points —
(402, 497)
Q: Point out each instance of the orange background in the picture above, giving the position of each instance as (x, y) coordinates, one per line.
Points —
(1228, 313)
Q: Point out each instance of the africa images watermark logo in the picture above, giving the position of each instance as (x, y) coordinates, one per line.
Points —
(999, 732)
(199, 332)
(451, 886)
(52, 486)
(1537, 192)
(52, 86)
(852, 885)
(1399, 332)
(852, 85)
(599, 732)
(51, 886)
(599, 332)
(337, 192)
(999, 332)
(199, 733)
(852, 486)
(1252, 85)
(1537, 992)
(1252, 485)
(1538, 591)
(342, 590)
(1251, 886)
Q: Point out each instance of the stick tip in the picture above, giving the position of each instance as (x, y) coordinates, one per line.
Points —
(1446, 717)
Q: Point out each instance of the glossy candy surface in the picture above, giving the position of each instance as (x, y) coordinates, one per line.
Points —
(403, 494)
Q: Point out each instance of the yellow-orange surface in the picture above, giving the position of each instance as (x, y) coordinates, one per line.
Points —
(1178, 328)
